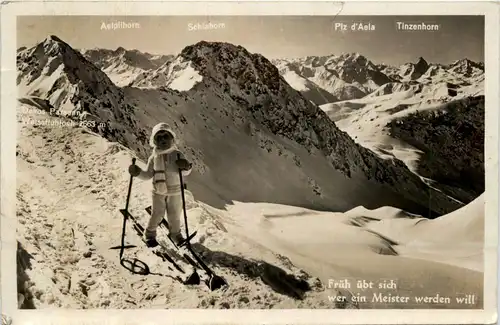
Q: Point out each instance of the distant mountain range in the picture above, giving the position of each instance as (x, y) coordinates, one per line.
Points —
(321, 79)
(235, 113)
(122, 65)
(353, 76)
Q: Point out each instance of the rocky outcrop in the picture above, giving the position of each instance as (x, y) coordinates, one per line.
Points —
(452, 141)
(24, 293)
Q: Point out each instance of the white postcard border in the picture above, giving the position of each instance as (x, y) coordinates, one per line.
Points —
(8, 128)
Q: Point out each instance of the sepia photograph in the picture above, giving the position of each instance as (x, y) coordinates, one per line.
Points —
(243, 162)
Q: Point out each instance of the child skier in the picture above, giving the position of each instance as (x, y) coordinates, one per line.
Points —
(163, 167)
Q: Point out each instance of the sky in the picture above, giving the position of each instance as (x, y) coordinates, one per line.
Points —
(272, 36)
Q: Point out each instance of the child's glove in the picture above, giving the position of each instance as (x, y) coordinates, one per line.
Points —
(183, 164)
(134, 170)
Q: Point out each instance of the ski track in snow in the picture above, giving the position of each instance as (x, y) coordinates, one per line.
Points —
(72, 183)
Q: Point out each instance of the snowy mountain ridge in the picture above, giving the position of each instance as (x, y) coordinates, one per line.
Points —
(352, 76)
(346, 76)
(123, 66)
(63, 77)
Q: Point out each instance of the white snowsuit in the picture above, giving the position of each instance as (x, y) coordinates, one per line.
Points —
(162, 168)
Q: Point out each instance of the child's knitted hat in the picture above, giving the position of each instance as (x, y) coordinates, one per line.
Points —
(160, 127)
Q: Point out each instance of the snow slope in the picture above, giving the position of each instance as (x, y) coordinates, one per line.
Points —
(373, 123)
(71, 184)
(306, 87)
(177, 74)
(366, 119)
(437, 239)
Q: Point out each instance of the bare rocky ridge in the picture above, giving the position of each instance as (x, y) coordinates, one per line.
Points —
(261, 88)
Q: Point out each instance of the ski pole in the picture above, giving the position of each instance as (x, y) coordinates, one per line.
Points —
(183, 203)
(215, 281)
(126, 211)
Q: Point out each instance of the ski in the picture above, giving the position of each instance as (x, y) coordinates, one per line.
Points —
(192, 279)
(164, 225)
(214, 281)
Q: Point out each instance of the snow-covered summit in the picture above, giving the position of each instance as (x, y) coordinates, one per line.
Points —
(65, 78)
(467, 67)
(70, 85)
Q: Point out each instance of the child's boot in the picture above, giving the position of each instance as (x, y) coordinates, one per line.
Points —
(150, 240)
(177, 238)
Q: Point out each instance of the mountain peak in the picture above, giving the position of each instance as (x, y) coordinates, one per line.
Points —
(420, 67)
(467, 67)
(53, 46)
(120, 50)
(53, 38)
(53, 41)
(221, 60)
(422, 62)
(206, 47)
(466, 62)
(65, 66)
